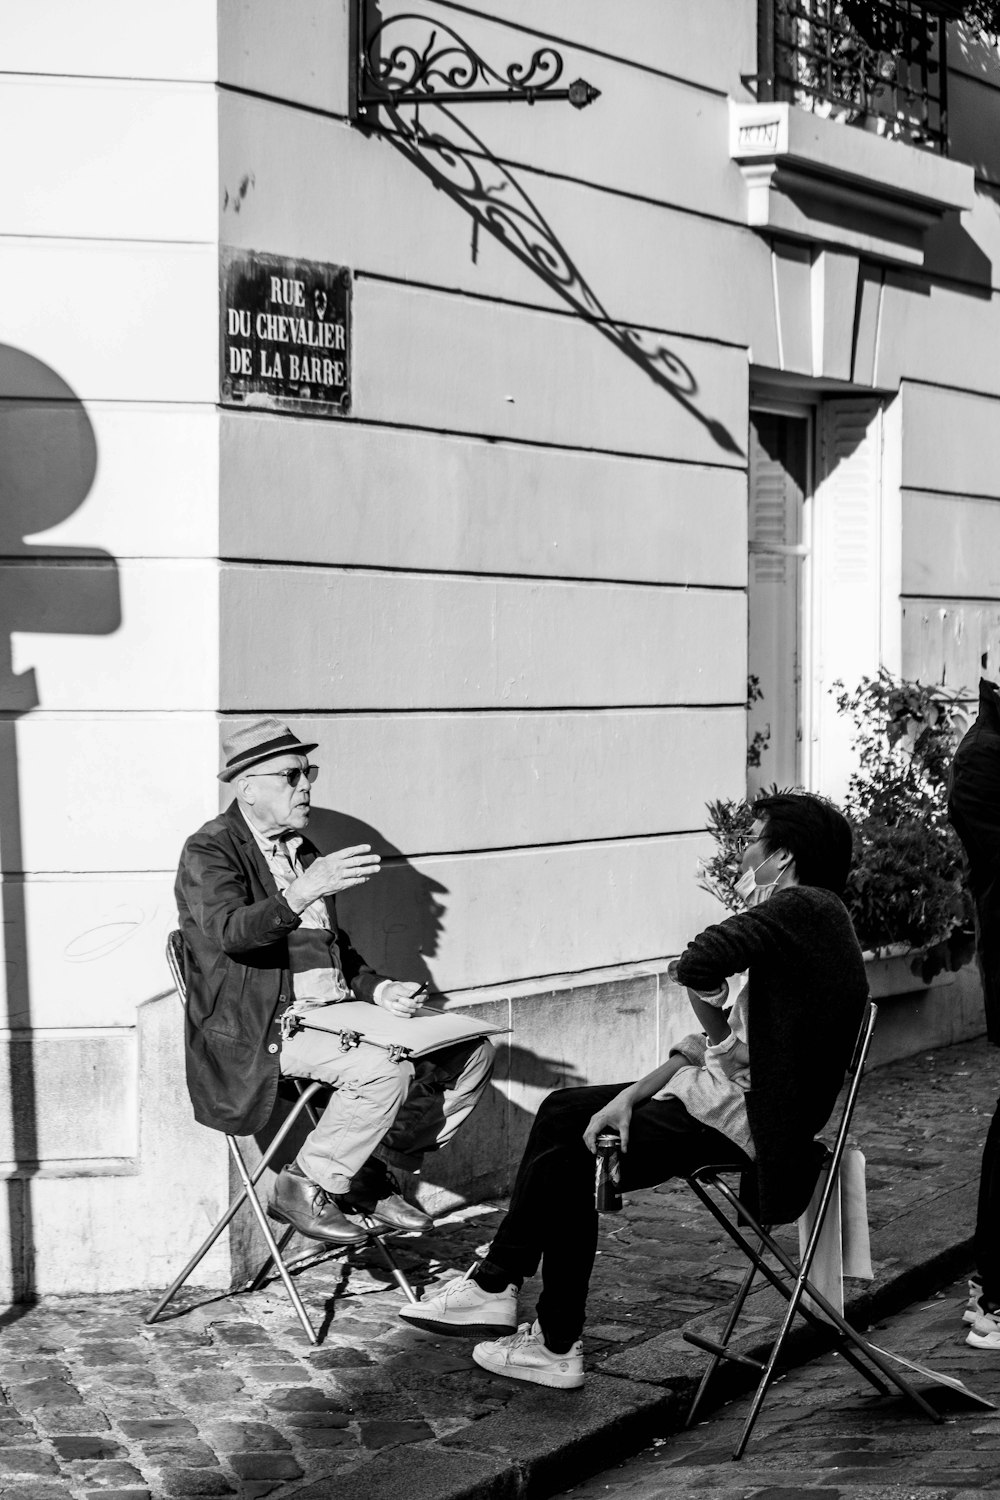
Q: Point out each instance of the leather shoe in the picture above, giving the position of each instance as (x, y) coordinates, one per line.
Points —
(297, 1200)
(375, 1193)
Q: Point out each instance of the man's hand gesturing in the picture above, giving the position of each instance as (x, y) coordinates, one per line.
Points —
(331, 873)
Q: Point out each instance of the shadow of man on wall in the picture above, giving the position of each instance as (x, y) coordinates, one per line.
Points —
(48, 462)
(396, 920)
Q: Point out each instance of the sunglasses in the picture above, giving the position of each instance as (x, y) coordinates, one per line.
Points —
(292, 774)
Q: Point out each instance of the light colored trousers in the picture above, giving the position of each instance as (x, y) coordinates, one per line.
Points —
(395, 1111)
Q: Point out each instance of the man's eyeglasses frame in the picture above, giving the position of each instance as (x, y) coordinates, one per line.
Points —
(292, 774)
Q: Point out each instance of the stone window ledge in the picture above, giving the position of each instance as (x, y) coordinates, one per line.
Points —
(814, 179)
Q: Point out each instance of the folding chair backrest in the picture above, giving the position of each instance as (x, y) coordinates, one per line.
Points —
(853, 1077)
(855, 1072)
(175, 962)
(866, 1031)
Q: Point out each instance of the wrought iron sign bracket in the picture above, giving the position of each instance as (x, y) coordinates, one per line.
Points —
(413, 59)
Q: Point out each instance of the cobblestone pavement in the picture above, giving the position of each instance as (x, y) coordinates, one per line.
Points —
(229, 1399)
(823, 1434)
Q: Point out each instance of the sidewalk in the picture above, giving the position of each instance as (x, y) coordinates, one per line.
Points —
(230, 1400)
(824, 1436)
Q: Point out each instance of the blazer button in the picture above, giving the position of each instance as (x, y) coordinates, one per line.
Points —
(272, 1047)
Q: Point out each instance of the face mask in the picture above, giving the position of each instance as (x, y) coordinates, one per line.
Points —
(752, 894)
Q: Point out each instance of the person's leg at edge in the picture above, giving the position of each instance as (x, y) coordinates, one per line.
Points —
(552, 1215)
(984, 1300)
(987, 1239)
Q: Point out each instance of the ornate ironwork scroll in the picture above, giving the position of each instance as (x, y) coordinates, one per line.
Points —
(411, 59)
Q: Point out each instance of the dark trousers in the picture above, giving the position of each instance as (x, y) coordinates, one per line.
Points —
(987, 1241)
(551, 1216)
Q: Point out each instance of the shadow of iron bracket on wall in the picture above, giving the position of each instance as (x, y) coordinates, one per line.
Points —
(413, 59)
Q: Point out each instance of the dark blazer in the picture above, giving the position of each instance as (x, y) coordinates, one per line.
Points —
(236, 925)
(974, 811)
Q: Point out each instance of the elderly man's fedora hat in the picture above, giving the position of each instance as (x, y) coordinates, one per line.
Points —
(261, 740)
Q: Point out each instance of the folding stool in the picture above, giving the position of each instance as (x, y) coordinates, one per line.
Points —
(303, 1101)
(795, 1283)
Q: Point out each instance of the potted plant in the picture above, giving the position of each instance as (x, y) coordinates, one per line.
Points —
(906, 892)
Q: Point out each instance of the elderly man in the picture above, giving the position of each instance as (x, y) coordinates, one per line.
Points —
(256, 906)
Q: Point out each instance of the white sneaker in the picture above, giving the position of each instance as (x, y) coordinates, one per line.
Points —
(985, 1331)
(975, 1308)
(463, 1307)
(523, 1356)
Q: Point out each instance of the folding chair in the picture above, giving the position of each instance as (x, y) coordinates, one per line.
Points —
(795, 1283)
(303, 1101)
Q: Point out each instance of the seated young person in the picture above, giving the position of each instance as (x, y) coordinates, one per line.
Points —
(793, 1024)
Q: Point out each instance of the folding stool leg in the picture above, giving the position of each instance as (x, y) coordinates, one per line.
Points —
(802, 1284)
(256, 1282)
(731, 1321)
(848, 1336)
(245, 1193)
(376, 1239)
(755, 1253)
(265, 1230)
(198, 1256)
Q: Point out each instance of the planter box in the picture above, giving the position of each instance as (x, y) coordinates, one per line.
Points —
(915, 1016)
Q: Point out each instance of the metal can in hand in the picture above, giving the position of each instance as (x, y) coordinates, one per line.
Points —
(608, 1173)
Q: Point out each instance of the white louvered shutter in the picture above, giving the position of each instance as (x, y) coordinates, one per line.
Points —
(847, 576)
(778, 467)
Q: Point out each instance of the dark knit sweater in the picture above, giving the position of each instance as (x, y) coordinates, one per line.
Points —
(806, 995)
(974, 810)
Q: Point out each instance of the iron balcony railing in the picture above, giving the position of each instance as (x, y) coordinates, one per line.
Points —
(877, 64)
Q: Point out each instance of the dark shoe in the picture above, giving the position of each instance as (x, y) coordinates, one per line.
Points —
(375, 1193)
(297, 1200)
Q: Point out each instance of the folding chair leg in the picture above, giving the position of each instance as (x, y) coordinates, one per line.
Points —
(198, 1256)
(756, 1257)
(398, 1276)
(256, 1282)
(850, 1342)
(848, 1339)
(844, 1340)
(844, 1344)
(727, 1333)
(265, 1229)
(245, 1192)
